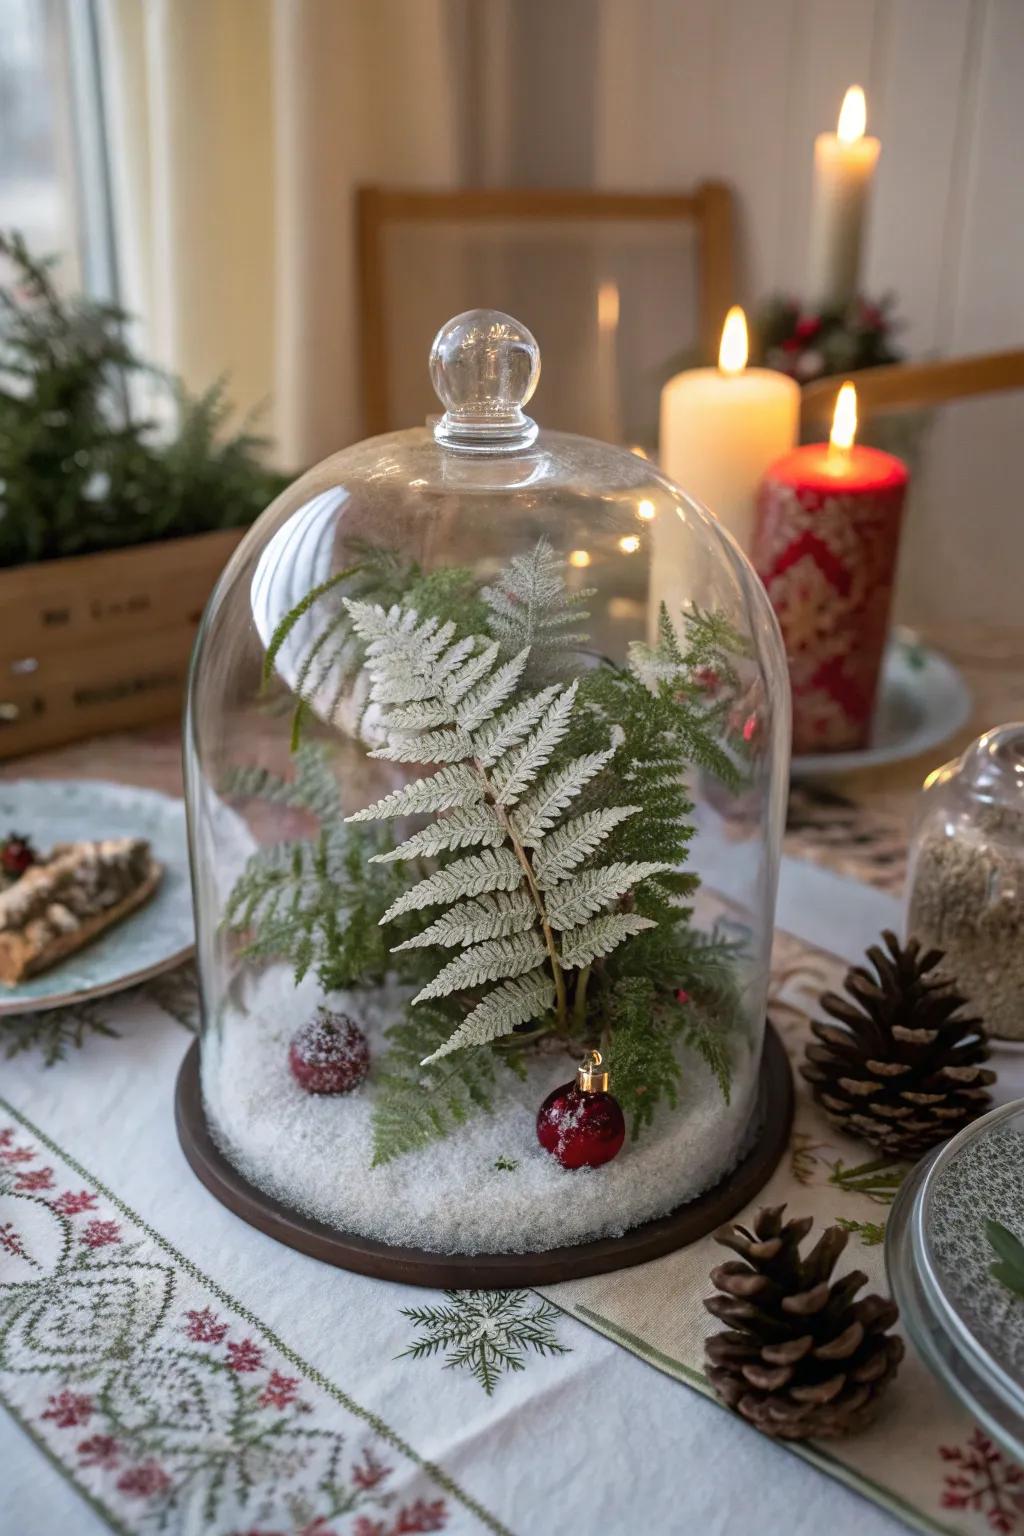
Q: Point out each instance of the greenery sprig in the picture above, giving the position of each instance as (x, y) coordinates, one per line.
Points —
(79, 470)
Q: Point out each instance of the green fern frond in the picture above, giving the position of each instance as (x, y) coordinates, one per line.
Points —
(415, 1105)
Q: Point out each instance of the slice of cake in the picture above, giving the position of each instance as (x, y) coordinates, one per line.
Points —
(61, 904)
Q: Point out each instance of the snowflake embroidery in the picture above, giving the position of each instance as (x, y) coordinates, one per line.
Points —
(36, 1178)
(67, 1409)
(985, 1482)
(144, 1481)
(10, 1241)
(279, 1391)
(98, 1234)
(204, 1327)
(485, 1332)
(17, 1155)
(99, 1451)
(6, 1136)
(70, 1204)
(245, 1356)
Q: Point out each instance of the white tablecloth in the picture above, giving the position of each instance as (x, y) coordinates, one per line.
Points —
(165, 1339)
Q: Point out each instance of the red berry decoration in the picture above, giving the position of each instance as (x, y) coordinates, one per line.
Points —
(581, 1123)
(16, 855)
(329, 1054)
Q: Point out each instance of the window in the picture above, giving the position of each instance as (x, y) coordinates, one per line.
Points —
(53, 182)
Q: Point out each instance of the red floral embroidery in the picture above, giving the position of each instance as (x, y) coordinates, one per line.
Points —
(98, 1234)
(36, 1178)
(69, 1204)
(145, 1480)
(67, 1409)
(203, 1327)
(6, 1136)
(245, 1356)
(10, 1242)
(370, 1472)
(279, 1391)
(99, 1451)
(17, 1155)
(986, 1482)
(410, 1521)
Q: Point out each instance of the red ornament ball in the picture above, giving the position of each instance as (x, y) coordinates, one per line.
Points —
(583, 1127)
(329, 1054)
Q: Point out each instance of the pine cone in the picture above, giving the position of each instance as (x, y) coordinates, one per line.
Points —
(801, 1359)
(901, 1065)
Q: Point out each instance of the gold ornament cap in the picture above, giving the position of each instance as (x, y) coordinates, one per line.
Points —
(592, 1074)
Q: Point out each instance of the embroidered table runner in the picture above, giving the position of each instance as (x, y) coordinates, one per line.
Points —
(167, 1368)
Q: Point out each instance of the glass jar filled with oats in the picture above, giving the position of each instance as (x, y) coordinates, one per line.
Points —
(966, 879)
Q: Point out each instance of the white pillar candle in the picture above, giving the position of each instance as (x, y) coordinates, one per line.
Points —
(844, 164)
(722, 427)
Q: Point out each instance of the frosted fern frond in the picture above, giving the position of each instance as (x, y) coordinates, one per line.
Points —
(451, 788)
(600, 936)
(496, 869)
(474, 827)
(444, 746)
(510, 728)
(495, 916)
(501, 1011)
(530, 605)
(572, 902)
(484, 701)
(539, 810)
(457, 704)
(574, 841)
(517, 771)
(493, 960)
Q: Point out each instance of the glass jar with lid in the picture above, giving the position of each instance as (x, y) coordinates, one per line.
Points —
(486, 756)
(966, 877)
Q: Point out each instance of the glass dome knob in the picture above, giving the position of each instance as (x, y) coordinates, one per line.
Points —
(484, 367)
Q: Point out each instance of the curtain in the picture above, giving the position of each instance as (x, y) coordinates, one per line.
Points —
(239, 130)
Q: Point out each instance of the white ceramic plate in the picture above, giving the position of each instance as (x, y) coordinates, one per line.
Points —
(153, 939)
(923, 701)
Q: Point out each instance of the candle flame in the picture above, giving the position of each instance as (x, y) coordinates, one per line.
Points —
(844, 419)
(645, 509)
(732, 354)
(607, 306)
(630, 544)
(853, 116)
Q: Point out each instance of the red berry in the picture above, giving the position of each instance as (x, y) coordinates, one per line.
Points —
(583, 1130)
(16, 854)
(329, 1054)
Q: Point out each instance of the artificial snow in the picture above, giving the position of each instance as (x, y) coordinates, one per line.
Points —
(314, 1153)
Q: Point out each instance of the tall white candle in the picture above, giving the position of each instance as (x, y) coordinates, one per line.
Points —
(844, 164)
(722, 427)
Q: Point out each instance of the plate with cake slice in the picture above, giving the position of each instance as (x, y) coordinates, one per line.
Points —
(94, 890)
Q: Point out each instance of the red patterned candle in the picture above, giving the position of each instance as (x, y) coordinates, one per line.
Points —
(825, 546)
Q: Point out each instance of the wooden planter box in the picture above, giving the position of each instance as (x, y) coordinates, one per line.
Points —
(101, 642)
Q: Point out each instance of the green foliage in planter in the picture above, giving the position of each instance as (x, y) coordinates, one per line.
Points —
(78, 471)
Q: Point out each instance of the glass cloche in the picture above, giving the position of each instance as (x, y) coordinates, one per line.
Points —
(486, 752)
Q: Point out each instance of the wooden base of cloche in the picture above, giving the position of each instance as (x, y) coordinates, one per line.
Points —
(481, 1271)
